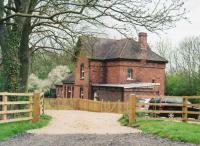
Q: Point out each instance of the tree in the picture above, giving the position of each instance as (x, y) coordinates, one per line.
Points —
(184, 79)
(43, 63)
(165, 49)
(56, 75)
(29, 26)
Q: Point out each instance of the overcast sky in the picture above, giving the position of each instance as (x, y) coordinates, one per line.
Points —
(183, 28)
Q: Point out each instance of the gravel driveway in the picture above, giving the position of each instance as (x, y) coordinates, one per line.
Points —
(80, 128)
(83, 122)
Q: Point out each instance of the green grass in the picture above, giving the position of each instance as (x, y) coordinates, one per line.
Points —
(8, 130)
(177, 131)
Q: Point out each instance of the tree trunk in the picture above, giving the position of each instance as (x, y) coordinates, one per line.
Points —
(24, 56)
(9, 41)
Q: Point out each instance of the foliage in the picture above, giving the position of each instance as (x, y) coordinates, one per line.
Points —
(43, 63)
(124, 120)
(52, 26)
(183, 74)
(178, 131)
(56, 75)
(177, 85)
(11, 129)
(10, 63)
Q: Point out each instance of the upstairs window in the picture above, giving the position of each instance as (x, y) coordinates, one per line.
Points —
(130, 74)
(81, 92)
(82, 72)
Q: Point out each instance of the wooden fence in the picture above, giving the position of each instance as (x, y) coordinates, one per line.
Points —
(132, 107)
(84, 104)
(179, 109)
(20, 106)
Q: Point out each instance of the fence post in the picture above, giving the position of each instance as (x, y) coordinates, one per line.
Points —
(132, 109)
(42, 102)
(36, 107)
(5, 99)
(31, 107)
(184, 110)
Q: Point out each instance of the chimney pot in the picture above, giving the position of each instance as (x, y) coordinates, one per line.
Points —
(142, 40)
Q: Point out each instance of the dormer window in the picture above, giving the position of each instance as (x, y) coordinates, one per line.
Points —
(82, 72)
(130, 74)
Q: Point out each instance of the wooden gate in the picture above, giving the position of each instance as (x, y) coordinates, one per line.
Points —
(20, 106)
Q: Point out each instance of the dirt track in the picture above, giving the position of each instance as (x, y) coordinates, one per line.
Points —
(83, 122)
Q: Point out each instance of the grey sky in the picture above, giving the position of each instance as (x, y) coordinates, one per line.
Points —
(182, 30)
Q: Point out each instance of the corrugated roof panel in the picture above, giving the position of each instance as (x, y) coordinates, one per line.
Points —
(127, 86)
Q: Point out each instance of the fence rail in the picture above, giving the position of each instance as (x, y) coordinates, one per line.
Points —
(30, 108)
(132, 107)
(182, 111)
(19, 107)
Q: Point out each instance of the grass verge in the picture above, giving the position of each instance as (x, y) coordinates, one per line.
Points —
(177, 131)
(10, 129)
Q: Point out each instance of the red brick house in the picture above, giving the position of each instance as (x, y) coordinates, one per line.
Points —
(113, 69)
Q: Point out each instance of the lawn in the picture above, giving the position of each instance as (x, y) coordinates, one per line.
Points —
(10, 129)
(178, 131)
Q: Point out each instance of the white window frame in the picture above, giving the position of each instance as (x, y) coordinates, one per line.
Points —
(130, 76)
(82, 71)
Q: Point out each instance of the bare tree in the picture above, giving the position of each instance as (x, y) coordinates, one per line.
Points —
(189, 56)
(186, 64)
(27, 26)
(169, 52)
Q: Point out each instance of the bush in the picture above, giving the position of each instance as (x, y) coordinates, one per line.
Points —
(124, 120)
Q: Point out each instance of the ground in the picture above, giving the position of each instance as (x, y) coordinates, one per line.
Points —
(78, 122)
(77, 128)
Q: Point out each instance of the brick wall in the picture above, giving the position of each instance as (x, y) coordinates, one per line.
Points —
(82, 82)
(116, 72)
(109, 94)
(98, 72)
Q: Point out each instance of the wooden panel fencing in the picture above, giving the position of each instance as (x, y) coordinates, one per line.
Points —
(132, 107)
(19, 107)
(84, 104)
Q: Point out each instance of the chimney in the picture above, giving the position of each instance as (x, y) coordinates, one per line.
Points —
(142, 40)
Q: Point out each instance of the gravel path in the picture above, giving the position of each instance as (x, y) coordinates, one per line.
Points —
(83, 122)
(137, 139)
(80, 128)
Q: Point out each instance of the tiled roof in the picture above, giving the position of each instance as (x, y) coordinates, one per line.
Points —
(69, 79)
(58, 83)
(106, 49)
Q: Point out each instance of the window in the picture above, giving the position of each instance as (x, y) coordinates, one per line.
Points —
(82, 71)
(81, 92)
(69, 92)
(153, 81)
(130, 73)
